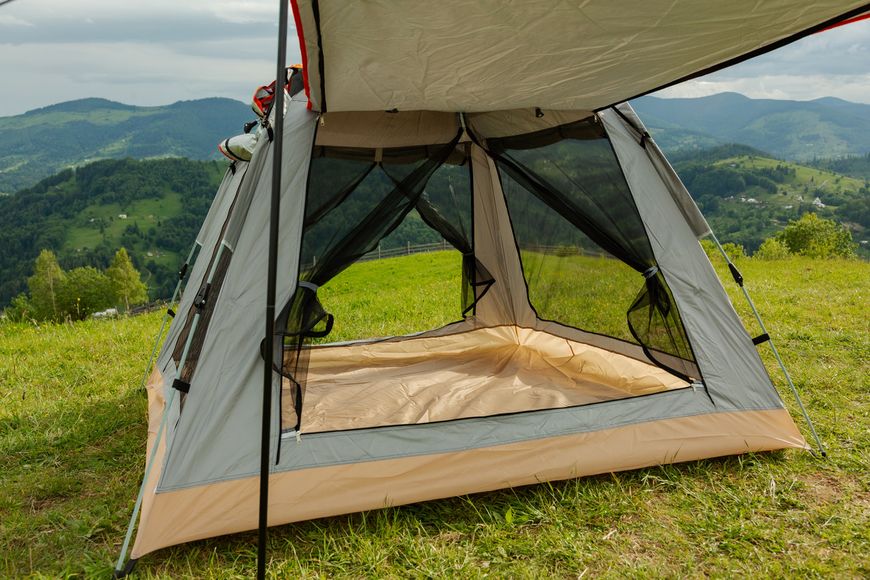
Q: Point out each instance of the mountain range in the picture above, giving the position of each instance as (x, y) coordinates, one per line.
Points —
(41, 142)
(791, 130)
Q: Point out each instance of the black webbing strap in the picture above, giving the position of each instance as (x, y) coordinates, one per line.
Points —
(170, 312)
(760, 339)
(735, 273)
(128, 569)
(202, 298)
(181, 386)
(644, 135)
(183, 272)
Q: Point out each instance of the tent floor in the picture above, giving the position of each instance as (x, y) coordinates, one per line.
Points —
(475, 373)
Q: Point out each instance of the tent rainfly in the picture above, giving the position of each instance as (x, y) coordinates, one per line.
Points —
(526, 165)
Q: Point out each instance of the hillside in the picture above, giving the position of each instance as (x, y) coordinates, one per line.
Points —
(748, 196)
(153, 208)
(796, 130)
(41, 142)
(73, 429)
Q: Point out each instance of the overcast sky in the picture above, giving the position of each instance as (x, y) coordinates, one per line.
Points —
(155, 52)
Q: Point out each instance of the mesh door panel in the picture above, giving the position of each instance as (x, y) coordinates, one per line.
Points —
(583, 244)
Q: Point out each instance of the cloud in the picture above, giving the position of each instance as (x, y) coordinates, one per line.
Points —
(854, 88)
(130, 72)
(831, 63)
(160, 51)
(143, 53)
(10, 20)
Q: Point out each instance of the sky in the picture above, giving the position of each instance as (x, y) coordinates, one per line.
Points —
(156, 52)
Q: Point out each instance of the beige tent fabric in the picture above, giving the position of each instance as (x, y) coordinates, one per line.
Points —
(156, 408)
(520, 121)
(478, 373)
(486, 55)
(507, 300)
(228, 507)
(375, 129)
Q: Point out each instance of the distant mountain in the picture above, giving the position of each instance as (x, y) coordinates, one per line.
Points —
(794, 130)
(41, 142)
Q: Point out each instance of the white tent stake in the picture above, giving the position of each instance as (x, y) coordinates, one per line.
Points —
(739, 280)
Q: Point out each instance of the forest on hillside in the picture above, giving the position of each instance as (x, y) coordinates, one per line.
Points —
(155, 207)
(85, 215)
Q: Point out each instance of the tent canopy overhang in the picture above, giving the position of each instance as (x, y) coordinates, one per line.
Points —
(491, 55)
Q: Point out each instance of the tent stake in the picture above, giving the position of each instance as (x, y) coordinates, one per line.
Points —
(785, 372)
(181, 275)
(274, 221)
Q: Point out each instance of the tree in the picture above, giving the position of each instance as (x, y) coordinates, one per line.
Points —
(817, 238)
(126, 282)
(84, 291)
(45, 286)
(771, 249)
(20, 309)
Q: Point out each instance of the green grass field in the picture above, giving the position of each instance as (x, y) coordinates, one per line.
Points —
(72, 440)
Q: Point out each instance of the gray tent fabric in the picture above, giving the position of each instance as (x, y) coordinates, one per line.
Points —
(678, 191)
(224, 400)
(208, 238)
(735, 374)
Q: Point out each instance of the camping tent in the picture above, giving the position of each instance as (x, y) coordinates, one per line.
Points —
(522, 161)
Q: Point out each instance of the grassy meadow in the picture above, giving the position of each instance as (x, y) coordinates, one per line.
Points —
(72, 441)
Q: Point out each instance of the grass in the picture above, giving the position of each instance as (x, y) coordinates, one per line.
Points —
(72, 438)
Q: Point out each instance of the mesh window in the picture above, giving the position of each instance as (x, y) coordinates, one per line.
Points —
(356, 199)
(586, 258)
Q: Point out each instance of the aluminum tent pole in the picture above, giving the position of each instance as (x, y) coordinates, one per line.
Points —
(738, 278)
(274, 220)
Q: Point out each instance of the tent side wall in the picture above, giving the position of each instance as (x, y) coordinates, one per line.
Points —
(207, 239)
(214, 434)
(731, 367)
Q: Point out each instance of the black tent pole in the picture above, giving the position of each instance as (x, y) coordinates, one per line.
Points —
(274, 219)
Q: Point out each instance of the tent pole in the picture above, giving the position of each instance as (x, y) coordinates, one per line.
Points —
(739, 279)
(181, 274)
(274, 220)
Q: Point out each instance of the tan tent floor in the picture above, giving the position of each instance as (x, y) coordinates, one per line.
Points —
(471, 374)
